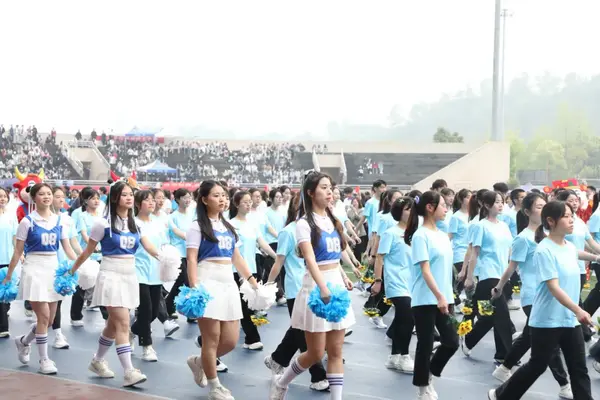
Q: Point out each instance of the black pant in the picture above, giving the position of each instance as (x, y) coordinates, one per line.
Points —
(77, 302)
(57, 316)
(587, 331)
(293, 341)
(147, 312)
(523, 344)
(360, 248)
(457, 285)
(181, 280)
(260, 262)
(544, 342)
(500, 320)
(592, 303)
(402, 326)
(251, 331)
(4, 308)
(376, 301)
(163, 315)
(427, 319)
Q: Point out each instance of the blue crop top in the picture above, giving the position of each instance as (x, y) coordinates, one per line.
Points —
(41, 240)
(120, 244)
(222, 249)
(329, 248)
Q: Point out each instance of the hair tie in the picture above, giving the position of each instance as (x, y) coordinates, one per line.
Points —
(417, 198)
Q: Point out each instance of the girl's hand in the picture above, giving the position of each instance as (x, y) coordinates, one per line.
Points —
(325, 295)
(22, 259)
(357, 240)
(469, 283)
(375, 288)
(496, 293)
(349, 284)
(442, 305)
(356, 272)
(7, 279)
(584, 317)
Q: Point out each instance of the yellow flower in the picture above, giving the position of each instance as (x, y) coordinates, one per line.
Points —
(485, 308)
(586, 286)
(259, 321)
(465, 327)
(367, 280)
(467, 310)
(387, 301)
(362, 267)
(516, 289)
(371, 312)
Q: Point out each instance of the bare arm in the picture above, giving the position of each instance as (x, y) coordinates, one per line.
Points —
(506, 276)
(585, 256)
(149, 247)
(566, 301)
(593, 245)
(264, 246)
(279, 261)
(432, 285)
(192, 266)
(66, 244)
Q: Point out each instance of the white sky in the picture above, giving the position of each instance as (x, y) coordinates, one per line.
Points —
(263, 66)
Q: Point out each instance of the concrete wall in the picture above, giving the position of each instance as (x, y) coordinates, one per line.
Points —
(479, 169)
(99, 170)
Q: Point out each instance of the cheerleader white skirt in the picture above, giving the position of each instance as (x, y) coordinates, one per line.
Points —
(117, 284)
(302, 316)
(218, 280)
(37, 279)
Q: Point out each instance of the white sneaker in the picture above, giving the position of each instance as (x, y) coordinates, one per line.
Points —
(516, 335)
(100, 368)
(502, 373)
(392, 361)
(170, 327)
(47, 367)
(566, 392)
(348, 332)
(596, 366)
(149, 354)
(320, 386)
(589, 344)
(282, 301)
(77, 324)
(492, 394)
(4, 334)
(220, 393)
(378, 322)
(29, 313)
(60, 341)
(276, 368)
(195, 364)
(277, 392)
(23, 350)
(221, 367)
(254, 346)
(133, 377)
(426, 395)
(431, 390)
(466, 351)
(435, 346)
(513, 305)
(405, 364)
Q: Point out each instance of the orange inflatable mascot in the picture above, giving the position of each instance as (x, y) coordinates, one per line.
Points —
(131, 181)
(23, 186)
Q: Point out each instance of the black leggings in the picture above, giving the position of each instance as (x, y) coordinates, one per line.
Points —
(251, 331)
(181, 280)
(402, 326)
(150, 298)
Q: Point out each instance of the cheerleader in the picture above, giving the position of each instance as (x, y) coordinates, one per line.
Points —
(249, 236)
(39, 233)
(555, 316)
(86, 217)
(117, 286)
(320, 241)
(395, 256)
(431, 290)
(457, 232)
(491, 243)
(212, 247)
(8, 230)
(179, 223)
(293, 339)
(58, 202)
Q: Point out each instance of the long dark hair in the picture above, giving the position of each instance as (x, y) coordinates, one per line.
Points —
(459, 198)
(487, 201)
(294, 211)
(474, 203)
(309, 187)
(419, 208)
(595, 202)
(527, 204)
(554, 210)
(113, 203)
(234, 205)
(385, 205)
(202, 213)
(401, 204)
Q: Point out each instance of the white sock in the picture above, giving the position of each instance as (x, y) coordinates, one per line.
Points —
(42, 344)
(57, 331)
(422, 389)
(214, 383)
(291, 372)
(336, 385)
(124, 353)
(28, 338)
(104, 344)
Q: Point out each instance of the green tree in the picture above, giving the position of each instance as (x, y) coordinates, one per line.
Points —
(517, 152)
(548, 155)
(444, 136)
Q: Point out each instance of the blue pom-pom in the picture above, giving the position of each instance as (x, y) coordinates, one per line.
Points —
(8, 291)
(65, 283)
(337, 308)
(191, 302)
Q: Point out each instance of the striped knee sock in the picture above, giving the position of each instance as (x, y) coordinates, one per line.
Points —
(104, 344)
(292, 371)
(42, 344)
(336, 385)
(124, 353)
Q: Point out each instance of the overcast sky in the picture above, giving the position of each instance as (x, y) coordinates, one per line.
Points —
(263, 66)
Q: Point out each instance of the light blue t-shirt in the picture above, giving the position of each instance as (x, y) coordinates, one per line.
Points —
(147, 267)
(259, 218)
(370, 212)
(248, 234)
(471, 228)
(384, 222)
(435, 247)
(494, 241)
(594, 225)
(396, 262)
(84, 223)
(579, 236)
(182, 222)
(459, 227)
(522, 250)
(8, 230)
(294, 265)
(552, 261)
(444, 224)
(277, 222)
(70, 225)
(509, 217)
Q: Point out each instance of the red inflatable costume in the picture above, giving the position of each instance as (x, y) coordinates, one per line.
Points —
(131, 181)
(25, 182)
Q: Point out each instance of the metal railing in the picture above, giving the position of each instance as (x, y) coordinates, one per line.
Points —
(73, 160)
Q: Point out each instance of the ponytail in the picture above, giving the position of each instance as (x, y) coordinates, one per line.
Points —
(540, 234)
(419, 209)
(527, 204)
(412, 224)
(487, 201)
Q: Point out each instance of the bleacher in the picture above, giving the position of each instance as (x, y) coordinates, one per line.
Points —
(398, 168)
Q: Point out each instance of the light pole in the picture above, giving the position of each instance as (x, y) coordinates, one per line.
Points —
(505, 13)
(497, 133)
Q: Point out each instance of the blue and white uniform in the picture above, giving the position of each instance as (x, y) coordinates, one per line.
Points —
(42, 240)
(328, 252)
(117, 283)
(217, 278)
